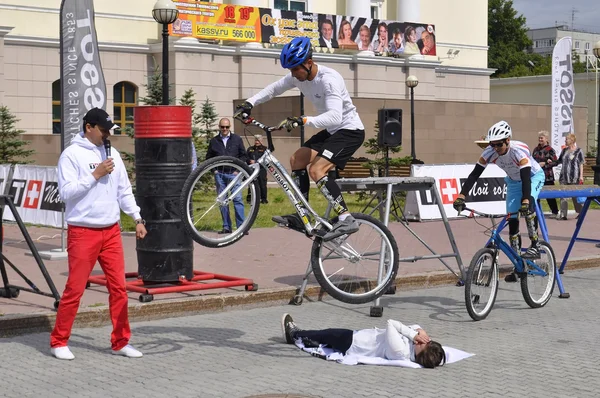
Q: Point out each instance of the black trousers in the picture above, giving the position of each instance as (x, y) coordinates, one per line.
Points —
(338, 339)
(262, 183)
(552, 202)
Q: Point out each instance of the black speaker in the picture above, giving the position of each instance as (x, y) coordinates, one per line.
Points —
(390, 127)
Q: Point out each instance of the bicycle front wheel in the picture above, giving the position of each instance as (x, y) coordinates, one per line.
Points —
(537, 285)
(360, 267)
(481, 286)
(210, 205)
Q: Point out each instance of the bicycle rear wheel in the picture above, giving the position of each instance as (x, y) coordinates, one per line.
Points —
(537, 289)
(204, 212)
(481, 286)
(348, 268)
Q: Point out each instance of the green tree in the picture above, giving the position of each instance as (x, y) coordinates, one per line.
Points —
(507, 38)
(208, 119)
(12, 146)
(200, 143)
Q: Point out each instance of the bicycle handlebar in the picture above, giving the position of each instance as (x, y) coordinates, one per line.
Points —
(244, 118)
(486, 215)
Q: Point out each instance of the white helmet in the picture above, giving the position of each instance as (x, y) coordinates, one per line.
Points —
(499, 131)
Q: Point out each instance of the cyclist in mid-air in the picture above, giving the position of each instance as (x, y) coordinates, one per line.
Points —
(525, 179)
(343, 132)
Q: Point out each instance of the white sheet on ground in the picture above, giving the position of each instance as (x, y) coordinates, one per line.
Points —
(452, 355)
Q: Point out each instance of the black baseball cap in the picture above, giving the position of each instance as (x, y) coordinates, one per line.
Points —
(97, 116)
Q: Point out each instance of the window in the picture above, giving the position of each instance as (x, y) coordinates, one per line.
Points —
(577, 45)
(290, 5)
(543, 43)
(587, 46)
(376, 9)
(56, 116)
(124, 99)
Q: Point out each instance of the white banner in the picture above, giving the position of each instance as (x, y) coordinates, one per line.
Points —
(35, 193)
(488, 195)
(4, 170)
(563, 93)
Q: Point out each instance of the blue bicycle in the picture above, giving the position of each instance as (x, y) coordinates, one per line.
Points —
(481, 286)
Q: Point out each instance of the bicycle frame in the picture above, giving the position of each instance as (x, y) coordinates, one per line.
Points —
(499, 244)
(281, 176)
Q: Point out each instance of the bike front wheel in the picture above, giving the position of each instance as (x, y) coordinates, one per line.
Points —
(360, 267)
(537, 285)
(481, 286)
(207, 198)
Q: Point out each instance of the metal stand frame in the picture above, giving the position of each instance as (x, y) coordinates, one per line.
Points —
(149, 289)
(12, 291)
(392, 185)
(591, 193)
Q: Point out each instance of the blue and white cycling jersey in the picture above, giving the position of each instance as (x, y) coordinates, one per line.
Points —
(510, 162)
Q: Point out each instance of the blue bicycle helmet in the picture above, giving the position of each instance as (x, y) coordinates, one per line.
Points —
(296, 52)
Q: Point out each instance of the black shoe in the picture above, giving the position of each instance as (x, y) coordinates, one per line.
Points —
(288, 328)
(346, 227)
(291, 221)
(264, 201)
(308, 343)
(533, 253)
(224, 231)
(511, 278)
(246, 233)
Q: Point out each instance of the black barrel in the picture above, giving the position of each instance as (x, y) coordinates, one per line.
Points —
(163, 161)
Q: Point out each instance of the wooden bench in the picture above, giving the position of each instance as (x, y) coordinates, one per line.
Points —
(396, 171)
(355, 168)
(588, 172)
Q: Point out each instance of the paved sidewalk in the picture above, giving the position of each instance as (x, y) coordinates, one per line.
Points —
(520, 352)
(274, 258)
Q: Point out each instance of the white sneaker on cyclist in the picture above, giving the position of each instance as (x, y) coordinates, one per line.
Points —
(347, 226)
(533, 253)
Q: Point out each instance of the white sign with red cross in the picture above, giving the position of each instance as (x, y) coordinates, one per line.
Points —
(488, 195)
(34, 191)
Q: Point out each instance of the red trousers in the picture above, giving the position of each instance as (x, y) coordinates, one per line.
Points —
(85, 246)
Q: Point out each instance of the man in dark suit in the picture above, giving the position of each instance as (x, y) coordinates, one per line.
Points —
(254, 153)
(228, 144)
(327, 39)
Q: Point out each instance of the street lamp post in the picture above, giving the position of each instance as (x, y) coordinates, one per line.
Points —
(412, 82)
(596, 168)
(165, 13)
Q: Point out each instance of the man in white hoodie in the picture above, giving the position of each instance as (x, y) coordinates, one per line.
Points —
(93, 184)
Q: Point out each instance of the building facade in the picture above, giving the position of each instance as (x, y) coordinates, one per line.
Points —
(130, 49)
(537, 90)
(544, 40)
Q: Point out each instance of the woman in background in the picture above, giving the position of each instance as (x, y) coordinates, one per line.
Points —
(572, 161)
(542, 154)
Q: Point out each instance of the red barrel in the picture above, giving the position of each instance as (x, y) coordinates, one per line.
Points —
(163, 161)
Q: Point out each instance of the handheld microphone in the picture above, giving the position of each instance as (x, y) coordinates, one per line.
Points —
(107, 148)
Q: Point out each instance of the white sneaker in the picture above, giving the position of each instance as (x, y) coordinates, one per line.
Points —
(62, 353)
(128, 351)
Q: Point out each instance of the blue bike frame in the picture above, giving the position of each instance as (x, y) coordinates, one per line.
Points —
(499, 244)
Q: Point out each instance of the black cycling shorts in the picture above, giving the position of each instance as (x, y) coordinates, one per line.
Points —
(338, 147)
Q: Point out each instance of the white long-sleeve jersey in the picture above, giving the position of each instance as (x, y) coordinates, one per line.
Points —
(396, 341)
(328, 93)
(90, 202)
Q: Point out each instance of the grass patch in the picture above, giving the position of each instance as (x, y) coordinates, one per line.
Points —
(96, 305)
